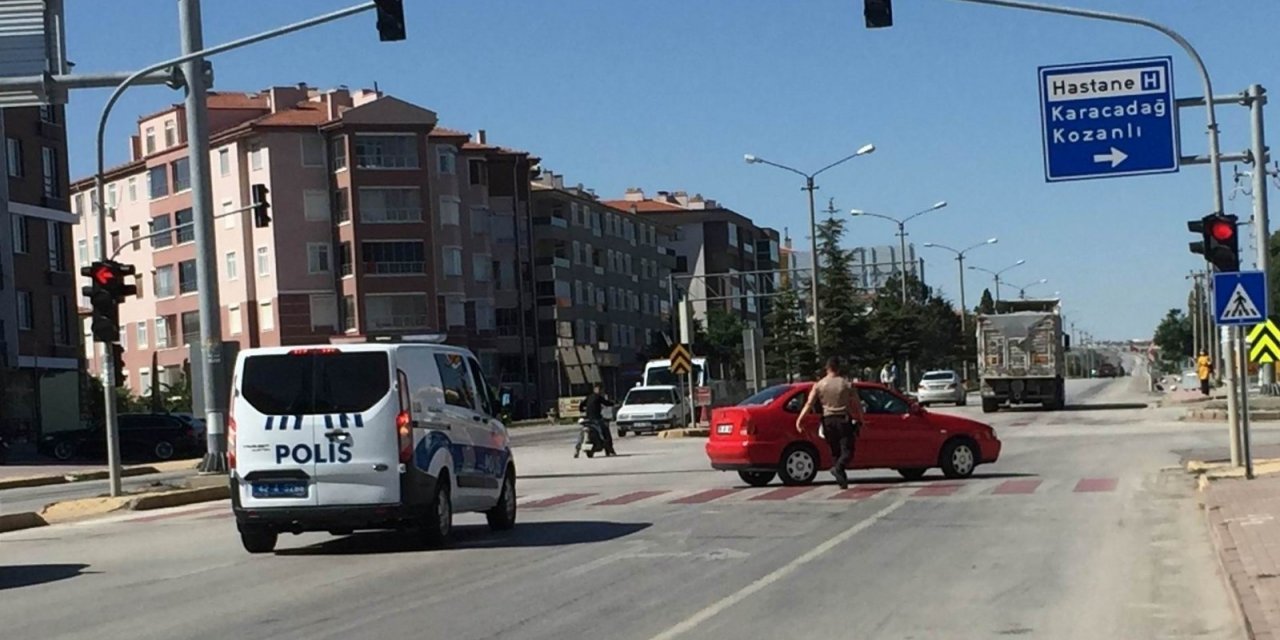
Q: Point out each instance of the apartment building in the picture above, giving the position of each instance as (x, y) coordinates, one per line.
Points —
(39, 340)
(719, 252)
(381, 225)
(602, 287)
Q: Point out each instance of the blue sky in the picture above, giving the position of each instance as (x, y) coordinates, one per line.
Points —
(669, 94)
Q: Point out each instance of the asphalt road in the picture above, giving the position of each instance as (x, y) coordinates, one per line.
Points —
(1081, 530)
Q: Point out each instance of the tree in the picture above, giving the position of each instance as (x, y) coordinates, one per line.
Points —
(988, 304)
(841, 310)
(723, 342)
(926, 331)
(1175, 338)
(788, 340)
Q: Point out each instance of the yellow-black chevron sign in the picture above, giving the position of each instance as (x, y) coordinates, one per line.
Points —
(681, 362)
(1264, 341)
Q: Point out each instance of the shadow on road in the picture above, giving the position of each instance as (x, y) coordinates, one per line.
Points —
(26, 575)
(854, 483)
(604, 474)
(1103, 406)
(531, 534)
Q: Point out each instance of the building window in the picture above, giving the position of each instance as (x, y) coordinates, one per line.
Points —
(158, 179)
(485, 320)
(398, 151)
(733, 235)
(448, 211)
(452, 257)
(26, 318)
(233, 269)
(344, 259)
(577, 252)
(312, 151)
(478, 172)
(187, 276)
(141, 337)
(111, 198)
(191, 328)
(181, 174)
(163, 284)
(170, 134)
(115, 241)
(324, 311)
(317, 257)
(21, 237)
(233, 320)
(315, 205)
(228, 218)
(158, 225)
(344, 205)
(57, 251)
(151, 140)
(390, 312)
(134, 233)
(455, 311)
(144, 379)
(48, 114)
(379, 205)
(162, 333)
(52, 186)
(13, 157)
(393, 258)
(255, 157)
(348, 313)
(446, 161)
(82, 252)
(480, 268)
(185, 233)
(266, 317)
(339, 153)
(479, 221)
(224, 162)
(264, 262)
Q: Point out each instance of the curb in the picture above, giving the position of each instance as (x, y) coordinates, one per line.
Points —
(685, 433)
(19, 521)
(101, 506)
(179, 498)
(1217, 531)
(41, 481)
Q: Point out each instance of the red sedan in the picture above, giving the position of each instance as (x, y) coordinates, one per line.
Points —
(758, 438)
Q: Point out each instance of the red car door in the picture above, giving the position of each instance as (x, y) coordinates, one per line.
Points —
(895, 436)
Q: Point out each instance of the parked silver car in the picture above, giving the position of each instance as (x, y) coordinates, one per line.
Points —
(941, 386)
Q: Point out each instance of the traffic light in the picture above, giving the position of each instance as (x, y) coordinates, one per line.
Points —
(117, 357)
(107, 289)
(1219, 241)
(390, 20)
(879, 13)
(260, 206)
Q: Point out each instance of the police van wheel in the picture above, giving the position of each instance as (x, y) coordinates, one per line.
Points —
(259, 541)
(503, 515)
(437, 526)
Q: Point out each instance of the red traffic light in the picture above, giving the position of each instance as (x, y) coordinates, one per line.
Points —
(1221, 230)
(103, 274)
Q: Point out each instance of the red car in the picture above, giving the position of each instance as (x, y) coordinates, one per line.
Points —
(758, 439)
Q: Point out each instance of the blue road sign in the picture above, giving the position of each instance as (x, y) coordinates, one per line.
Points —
(1240, 297)
(1109, 119)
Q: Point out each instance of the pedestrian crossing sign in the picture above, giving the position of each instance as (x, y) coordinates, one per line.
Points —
(1240, 297)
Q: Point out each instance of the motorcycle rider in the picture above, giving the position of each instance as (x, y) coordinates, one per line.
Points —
(592, 408)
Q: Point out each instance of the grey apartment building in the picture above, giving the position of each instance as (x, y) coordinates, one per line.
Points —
(602, 287)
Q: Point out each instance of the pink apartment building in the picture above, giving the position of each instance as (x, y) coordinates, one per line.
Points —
(382, 223)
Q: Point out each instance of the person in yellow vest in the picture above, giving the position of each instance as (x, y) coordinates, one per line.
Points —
(1204, 367)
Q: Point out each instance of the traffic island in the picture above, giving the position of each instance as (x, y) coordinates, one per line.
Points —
(101, 474)
(195, 490)
(696, 432)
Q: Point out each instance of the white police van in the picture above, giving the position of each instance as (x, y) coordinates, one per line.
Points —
(341, 437)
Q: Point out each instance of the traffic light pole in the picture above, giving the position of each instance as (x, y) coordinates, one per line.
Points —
(218, 440)
(1262, 228)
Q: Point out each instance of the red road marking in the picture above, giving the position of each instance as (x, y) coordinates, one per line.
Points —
(629, 498)
(705, 496)
(556, 500)
(1009, 487)
(937, 490)
(857, 493)
(783, 493)
(1092, 485)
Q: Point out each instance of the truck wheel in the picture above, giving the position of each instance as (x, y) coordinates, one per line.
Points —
(990, 406)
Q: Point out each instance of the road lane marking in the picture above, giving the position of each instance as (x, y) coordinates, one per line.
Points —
(690, 623)
(1016, 487)
(857, 493)
(557, 500)
(1095, 485)
(705, 496)
(784, 493)
(628, 498)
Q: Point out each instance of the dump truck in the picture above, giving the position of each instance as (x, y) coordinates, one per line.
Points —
(1022, 355)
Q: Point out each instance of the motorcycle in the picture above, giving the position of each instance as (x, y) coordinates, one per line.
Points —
(590, 433)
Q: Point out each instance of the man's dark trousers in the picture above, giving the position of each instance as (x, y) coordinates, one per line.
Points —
(838, 431)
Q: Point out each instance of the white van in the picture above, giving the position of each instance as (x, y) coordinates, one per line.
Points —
(364, 436)
(652, 409)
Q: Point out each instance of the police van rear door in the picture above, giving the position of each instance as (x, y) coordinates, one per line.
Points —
(361, 405)
(275, 429)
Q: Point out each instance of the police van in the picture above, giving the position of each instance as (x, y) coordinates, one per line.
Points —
(375, 435)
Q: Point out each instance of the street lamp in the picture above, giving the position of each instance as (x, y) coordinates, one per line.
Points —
(964, 309)
(902, 236)
(996, 274)
(813, 224)
(1022, 290)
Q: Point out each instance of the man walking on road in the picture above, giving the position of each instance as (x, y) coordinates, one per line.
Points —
(841, 413)
(1204, 367)
(593, 407)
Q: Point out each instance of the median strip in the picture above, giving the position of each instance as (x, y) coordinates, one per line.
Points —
(202, 489)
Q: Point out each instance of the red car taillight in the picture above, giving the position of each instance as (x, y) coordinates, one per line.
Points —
(748, 427)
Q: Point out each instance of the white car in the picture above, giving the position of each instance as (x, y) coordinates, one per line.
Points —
(942, 386)
(364, 436)
(651, 409)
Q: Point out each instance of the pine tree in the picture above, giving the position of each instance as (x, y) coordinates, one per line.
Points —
(788, 341)
(988, 304)
(841, 309)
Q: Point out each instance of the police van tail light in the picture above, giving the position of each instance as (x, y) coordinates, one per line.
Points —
(231, 441)
(404, 419)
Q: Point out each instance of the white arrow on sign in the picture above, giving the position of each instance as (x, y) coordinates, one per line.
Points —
(1115, 157)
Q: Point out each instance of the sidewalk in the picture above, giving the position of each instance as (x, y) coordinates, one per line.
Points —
(1244, 519)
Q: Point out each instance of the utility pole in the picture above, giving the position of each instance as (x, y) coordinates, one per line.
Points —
(1262, 230)
(197, 113)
